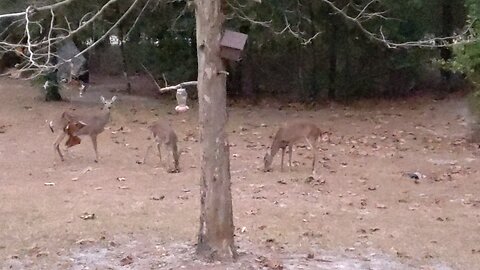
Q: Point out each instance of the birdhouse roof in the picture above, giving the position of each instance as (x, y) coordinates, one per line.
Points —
(233, 39)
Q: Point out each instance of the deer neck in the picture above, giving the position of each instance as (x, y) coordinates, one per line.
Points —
(274, 149)
(105, 116)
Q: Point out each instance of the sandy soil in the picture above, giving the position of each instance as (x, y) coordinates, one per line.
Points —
(361, 212)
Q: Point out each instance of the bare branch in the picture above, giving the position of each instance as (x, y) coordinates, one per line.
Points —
(52, 6)
(152, 77)
(39, 51)
(180, 85)
(136, 20)
(109, 30)
(168, 88)
(435, 42)
(240, 14)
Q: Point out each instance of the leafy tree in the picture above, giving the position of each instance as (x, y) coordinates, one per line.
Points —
(467, 61)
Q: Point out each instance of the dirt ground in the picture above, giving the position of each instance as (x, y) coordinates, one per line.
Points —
(363, 210)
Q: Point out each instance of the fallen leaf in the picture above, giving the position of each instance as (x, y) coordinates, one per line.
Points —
(182, 197)
(86, 216)
(85, 241)
(126, 261)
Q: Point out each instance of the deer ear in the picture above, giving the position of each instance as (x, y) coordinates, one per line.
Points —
(114, 98)
(102, 99)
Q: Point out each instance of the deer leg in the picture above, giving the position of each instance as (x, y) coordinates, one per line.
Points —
(171, 146)
(159, 147)
(146, 152)
(314, 150)
(56, 145)
(94, 142)
(281, 164)
(175, 157)
(290, 148)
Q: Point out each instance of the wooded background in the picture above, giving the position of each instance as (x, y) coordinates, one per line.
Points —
(340, 63)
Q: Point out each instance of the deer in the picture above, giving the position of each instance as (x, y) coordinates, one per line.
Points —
(164, 135)
(90, 125)
(287, 136)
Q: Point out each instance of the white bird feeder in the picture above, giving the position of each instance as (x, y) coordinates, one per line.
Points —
(181, 100)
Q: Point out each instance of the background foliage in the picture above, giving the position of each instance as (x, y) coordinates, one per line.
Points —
(341, 63)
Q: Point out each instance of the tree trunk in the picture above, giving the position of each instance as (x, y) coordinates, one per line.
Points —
(124, 61)
(246, 79)
(447, 30)
(332, 58)
(215, 237)
(52, 93)
(314, 72)
(121, 33)
(51, 77)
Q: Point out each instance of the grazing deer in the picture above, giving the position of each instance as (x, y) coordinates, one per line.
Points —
(289, 134)
(93, 125)
(163, 134)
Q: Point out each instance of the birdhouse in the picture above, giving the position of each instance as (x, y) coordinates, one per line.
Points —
(232, 44)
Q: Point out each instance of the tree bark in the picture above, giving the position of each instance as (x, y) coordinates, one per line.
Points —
(447, 30)
(332, 60)
(314, 89)
(246, 79)
(52, 91)
(121, 33)
(215, 237)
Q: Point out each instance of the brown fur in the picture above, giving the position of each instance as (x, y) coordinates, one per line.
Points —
(288, 135)
(163, 134)
(94, 125)
(71, 130)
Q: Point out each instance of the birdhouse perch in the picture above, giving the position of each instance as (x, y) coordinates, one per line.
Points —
(232, 44)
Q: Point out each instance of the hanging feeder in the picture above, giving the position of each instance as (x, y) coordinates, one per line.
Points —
(181, 100)
(232, 45)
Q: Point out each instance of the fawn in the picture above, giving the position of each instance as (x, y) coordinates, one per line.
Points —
(71, 129)
(92, 126)
(163, 134)
(289, 134)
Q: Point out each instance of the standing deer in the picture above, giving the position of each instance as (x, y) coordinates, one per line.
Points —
(163, 134)
(289, 134)
(92, 125)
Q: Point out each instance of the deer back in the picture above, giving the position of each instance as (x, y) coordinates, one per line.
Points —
(163, 132)
(95, 124)
(296, 131)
